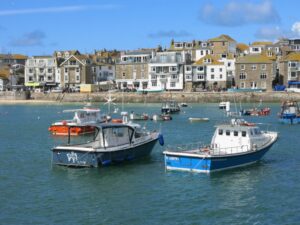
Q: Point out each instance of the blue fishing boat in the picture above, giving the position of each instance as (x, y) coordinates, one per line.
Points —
(290, 113)
(235, 144)
(113, 143)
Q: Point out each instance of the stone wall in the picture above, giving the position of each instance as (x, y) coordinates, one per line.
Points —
(14, 95)
(189, 97)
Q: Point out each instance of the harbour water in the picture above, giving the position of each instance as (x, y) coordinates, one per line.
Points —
(35, 192)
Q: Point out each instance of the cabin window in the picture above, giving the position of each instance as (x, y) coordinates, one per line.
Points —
(235, 133)
(227, 132)
(220, 132)
(244, 133)
(114, 136)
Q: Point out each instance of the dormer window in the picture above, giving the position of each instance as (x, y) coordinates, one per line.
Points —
(220, 132)
(227, 132)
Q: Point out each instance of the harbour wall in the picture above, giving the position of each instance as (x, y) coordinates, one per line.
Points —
(188, 97)
(14, 95)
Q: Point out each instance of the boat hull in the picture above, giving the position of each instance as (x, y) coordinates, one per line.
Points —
(77, 158)
(290, 120)
(211, 164)
(63, 130)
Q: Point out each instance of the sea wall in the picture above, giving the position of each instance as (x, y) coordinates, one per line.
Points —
(189, 97)
(14, 95)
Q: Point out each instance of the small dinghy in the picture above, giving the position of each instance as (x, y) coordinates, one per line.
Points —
(198, 119)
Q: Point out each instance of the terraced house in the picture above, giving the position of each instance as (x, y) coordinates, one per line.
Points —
(289, 70)
(166, 70)
(209, 72)
(40, 72)
(222, 44)
(132, 69)
(75, 70)
(256, 71)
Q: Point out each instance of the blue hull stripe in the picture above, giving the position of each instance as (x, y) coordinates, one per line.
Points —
(175, 162)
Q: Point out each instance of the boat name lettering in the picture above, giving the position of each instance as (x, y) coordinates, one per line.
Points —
(173, 158)
(72, 157)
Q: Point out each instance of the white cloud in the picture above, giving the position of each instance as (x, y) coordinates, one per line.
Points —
(296, 28)
(57, 9)
(237, 13)
(270, 33)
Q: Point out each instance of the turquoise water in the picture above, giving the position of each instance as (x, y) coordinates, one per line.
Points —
(32, 191)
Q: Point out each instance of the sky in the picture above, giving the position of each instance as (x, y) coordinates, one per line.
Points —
(39, 27)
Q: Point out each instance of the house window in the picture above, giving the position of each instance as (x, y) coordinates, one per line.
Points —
(229, 64)
(49, 77)
(30, 70)
(154, 83)
(221, 76)
(174, 76)
(242, 85)
(124, 74)
(212, 76)
(293, 74)
(263, 67)
(66, 70)
(242, 67)
(77, 78)
(30, 78)
(292, 64)
(153, 69)
(41, 70)
(173, 84)
(93, 68)
(253, 67)
(73, 62)
(173, 68)
(263, 76)
(200, 77)
(66, 78)
(49, 70)
(235, 133)
(188, 68)
(220, 69)
(77, 70)
(227, 132)
(200, 68)
(244, 133)
(212, 70)
(243, 76)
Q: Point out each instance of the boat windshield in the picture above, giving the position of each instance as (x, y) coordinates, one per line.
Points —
(116, 136)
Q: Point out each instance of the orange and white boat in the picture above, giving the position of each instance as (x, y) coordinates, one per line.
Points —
(82, 123)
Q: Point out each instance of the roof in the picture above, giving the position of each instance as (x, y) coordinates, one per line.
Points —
(242, 47)
(262, 43)
(293, 56)
(214, 61)
(255, 59)
(223, 37)
(13, 56)
(4, 72)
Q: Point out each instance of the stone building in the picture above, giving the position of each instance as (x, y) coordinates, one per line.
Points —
(255, 71)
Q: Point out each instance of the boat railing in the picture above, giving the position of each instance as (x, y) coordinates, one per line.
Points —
(229, 150)
(185, 147)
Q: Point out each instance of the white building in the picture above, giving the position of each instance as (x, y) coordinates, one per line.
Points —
(40, 71)
(166, 71)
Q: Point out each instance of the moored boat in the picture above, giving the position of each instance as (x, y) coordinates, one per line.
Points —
(256, 112)
(183, 104)
(136, 116)
(223, 105)
(233, 145)
(161, 117)
(82, 123)
(198, 119)
(290, 113)
(113, 143)
(169, 107)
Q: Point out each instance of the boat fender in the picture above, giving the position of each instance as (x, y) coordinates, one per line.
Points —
(161, 139)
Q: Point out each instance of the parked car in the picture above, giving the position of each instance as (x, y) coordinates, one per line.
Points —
(57, 90)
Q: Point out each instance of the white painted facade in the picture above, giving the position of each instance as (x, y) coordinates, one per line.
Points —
(104, 72)
(216, 73)
(166, 71)
(40, 70)
(200, 53)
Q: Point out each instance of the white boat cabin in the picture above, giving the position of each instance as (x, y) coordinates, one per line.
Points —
(87, 115)
(238, 137)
